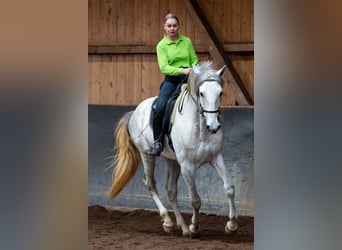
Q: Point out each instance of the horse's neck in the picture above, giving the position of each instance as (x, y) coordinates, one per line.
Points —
(197, 121)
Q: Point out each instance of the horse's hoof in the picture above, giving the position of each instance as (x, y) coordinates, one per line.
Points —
(186, 233)
(184, 229)
(168, 229)
(194, 234)
(231, 228)
(167, 224)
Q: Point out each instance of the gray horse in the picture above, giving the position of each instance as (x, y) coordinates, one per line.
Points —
(196, 138)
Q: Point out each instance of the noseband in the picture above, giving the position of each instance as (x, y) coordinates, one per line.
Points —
(202, 110)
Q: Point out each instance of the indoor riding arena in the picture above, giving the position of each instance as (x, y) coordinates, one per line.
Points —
(122, 72)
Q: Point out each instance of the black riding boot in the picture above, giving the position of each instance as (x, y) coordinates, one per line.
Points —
(157, 123)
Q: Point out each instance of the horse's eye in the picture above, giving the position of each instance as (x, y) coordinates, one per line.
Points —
(221, 93)
(201, 94)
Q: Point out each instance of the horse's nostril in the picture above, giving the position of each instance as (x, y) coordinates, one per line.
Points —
(214, 131)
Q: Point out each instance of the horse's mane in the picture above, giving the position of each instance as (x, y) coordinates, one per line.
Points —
(205, 66)
(204, 71)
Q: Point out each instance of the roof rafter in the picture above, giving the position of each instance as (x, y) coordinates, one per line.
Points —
(217, 51)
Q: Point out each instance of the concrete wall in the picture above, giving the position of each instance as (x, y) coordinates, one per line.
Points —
(238, 127)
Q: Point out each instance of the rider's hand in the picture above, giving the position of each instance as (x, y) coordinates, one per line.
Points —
(186, 71)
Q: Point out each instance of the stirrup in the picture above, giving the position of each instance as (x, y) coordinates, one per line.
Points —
(156, 148)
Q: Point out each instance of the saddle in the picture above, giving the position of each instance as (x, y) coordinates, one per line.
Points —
(170, 111)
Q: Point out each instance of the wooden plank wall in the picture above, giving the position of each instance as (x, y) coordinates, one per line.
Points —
(127, 79)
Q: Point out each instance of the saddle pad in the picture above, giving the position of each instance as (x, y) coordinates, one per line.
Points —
(184, 87)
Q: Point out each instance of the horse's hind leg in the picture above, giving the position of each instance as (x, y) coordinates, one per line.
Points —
(188, 172)
(150, 183)
(171, 187)
(232, 225)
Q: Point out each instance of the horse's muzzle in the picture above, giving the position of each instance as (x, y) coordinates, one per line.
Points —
(213, 131)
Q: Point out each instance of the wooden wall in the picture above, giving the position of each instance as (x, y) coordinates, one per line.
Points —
(125, 78)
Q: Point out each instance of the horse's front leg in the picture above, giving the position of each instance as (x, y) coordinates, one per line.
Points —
(188, 172)
(232, 225)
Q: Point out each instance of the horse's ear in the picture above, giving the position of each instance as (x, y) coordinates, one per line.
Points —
(220, 71)
(195, 69)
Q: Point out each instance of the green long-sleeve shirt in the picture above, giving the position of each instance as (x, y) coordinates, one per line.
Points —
(173, 56)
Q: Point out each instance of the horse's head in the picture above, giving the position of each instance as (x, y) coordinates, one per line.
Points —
(207, 86)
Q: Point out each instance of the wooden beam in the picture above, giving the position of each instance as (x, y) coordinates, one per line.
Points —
(238, 47)
(217, 51)
(151, 49)
(121, 49)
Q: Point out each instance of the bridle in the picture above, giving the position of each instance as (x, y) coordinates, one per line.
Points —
(200, 109)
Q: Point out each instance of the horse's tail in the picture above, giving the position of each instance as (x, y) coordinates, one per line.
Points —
(127, 158)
